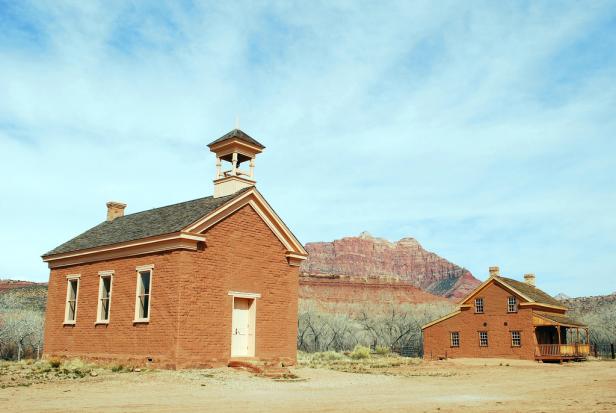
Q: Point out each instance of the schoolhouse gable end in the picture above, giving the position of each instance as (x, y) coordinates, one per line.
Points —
(197, 283)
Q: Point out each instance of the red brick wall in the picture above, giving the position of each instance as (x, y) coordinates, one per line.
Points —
(190, 310)
(468, 324)
(120, 339)
(243, 255)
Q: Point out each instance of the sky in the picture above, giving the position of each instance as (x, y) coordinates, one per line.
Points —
(485, 130)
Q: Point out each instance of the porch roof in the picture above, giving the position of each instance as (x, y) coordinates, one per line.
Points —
(560, 319)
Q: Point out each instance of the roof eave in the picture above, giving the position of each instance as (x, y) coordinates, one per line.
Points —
(540, 304)
(158, 243)
(239, 135)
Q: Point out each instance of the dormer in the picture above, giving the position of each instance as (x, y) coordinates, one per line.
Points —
(234, 149)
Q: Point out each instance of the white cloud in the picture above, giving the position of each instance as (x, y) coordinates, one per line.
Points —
(437, 121)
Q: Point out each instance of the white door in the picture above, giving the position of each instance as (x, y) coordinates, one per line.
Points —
(241, 329)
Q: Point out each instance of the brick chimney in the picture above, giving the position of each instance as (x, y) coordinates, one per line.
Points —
(529, 279)
(494, 272)
(115, 210)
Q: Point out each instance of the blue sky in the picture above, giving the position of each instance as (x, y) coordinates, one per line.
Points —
(483, 129)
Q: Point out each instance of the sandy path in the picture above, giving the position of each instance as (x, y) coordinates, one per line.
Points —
(465, 385)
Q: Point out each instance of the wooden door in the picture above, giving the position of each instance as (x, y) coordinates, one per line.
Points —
(240, 327)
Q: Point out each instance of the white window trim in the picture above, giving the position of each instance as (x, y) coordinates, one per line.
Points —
(487, 339)
(482, 305)
(101, 275)
(139, 269)
(519, 338)
(69, 278)
(451, 335)
(240, 294)
(515, 304)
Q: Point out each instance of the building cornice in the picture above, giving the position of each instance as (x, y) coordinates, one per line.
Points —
(445, 317)
(167, 242)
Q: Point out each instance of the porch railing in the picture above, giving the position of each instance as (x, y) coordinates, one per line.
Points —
(564, 350)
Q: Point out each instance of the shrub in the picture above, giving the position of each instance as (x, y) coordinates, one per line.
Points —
(117, 368)
(382, 350)
(76, 367)
(360, 352)
(55, 363)
(42, 366)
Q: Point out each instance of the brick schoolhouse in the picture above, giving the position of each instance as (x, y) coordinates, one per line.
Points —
(197, 283)
(507, 318)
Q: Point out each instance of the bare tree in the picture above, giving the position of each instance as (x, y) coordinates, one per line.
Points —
(323, 327)
(21, 329)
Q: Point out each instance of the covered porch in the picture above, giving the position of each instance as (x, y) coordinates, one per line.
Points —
(559, 338)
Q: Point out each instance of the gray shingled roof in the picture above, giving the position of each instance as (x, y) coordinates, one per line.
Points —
(239, 134)
(150, 223)
(533, 293)
(561, 319)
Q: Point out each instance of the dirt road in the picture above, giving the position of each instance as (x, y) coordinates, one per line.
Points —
(445, 386)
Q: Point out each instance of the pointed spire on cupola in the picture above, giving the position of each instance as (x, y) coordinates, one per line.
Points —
(235, 148)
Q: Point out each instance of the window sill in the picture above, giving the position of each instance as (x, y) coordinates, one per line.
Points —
(141, 321)
(69, 323)
(102, 323)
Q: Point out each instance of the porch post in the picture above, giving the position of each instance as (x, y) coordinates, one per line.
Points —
(537, 350)
(559, 348)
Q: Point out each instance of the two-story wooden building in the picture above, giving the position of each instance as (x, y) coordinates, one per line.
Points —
(507, 318)
(197, 283)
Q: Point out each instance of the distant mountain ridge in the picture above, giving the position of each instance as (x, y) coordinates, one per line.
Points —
(405, 262)
(587, 304)
(23, 295)
(8, 284)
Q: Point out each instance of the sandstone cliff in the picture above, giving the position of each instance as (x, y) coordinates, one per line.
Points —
(8, 284)
(365, 258)
(348, 290)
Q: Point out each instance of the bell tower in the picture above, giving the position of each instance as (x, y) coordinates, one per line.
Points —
(234, 148)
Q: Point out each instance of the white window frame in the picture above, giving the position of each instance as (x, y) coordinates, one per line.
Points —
(519, 338)
(69, 279)
(101, 275)
(487, 342)
(143, 268)
(512, 304)
(479, 300)
(455, 342)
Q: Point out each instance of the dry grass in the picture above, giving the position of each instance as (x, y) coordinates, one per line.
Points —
(389, 363)
(27, 372)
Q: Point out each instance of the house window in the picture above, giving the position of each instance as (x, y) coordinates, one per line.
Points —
(512, 305)
(104, 297)
(72, 290)
(455, 339)
(516, 339)
(479, 305)
(483, 339)
(142, 303)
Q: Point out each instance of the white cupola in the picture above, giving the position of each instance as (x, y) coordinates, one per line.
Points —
(234, 148)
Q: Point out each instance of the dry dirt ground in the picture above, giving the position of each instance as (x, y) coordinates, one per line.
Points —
(409, 386)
